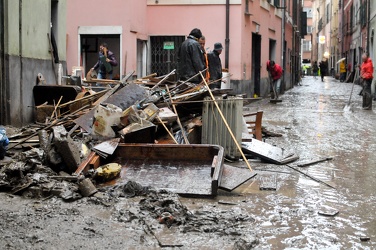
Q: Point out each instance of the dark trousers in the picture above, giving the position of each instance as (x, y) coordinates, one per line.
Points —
(323, 73)
(367, 95)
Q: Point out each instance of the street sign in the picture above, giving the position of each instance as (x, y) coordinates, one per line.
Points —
(322, 39)
(168, 45)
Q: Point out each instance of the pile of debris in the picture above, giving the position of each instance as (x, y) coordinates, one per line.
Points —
(83, 137)
(77, 132)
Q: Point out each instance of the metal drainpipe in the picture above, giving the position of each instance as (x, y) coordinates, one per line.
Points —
(21, 63)
(342, 24)
(283, 44)
(368, 2)
(2, 79)
(227, 41)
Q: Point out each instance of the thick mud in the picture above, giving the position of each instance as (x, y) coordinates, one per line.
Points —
(300, 214)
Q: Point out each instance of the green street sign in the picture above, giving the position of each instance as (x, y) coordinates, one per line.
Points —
(168, 45)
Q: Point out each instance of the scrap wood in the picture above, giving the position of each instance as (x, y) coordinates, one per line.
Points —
(54, 123)
(311, 177)
(98, 94)
(306, 164)
(56, 106)
(177, 117)
(168, 131)
(102, 81)
(163, 79)
(225, 122)
(85, 164)
(126, 77)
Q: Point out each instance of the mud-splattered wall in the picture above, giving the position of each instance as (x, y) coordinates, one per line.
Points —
(25, 52)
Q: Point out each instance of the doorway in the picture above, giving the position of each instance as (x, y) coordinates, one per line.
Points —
(164, 53)
(272, 49)
(89, 39)
(141, 58)
(90, 49)
(256, 62)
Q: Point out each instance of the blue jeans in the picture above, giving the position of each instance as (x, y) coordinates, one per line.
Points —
(103, 76)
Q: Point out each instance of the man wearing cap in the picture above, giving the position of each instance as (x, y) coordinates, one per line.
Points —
(191, 58)
(215, 66)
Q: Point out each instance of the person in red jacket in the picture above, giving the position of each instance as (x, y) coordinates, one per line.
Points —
(275, 73)
(366, 74)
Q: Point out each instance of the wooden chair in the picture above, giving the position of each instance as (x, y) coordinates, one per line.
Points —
(254, 127)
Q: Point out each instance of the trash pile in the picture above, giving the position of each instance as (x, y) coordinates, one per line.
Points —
(77, 130)
(133, 129)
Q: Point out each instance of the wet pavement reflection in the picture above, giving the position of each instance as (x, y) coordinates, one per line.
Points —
(301, 213)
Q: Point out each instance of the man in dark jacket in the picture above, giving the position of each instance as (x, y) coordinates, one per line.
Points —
(105, 62)
(191, 58)
(215, 66)
(323, 69)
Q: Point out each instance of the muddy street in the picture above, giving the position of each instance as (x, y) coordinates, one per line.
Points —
(300, 214)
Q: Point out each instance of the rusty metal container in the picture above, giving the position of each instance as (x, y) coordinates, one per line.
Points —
(190, 170)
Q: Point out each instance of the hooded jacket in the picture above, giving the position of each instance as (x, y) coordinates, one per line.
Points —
(190, 60)
(367, 69)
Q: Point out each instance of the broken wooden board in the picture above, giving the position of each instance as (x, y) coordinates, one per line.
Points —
(264, 151)
(107, 147)
(233, 177)
(127, 96)
(268, 182)
(123, 98)
(169, 237)
(328, 211)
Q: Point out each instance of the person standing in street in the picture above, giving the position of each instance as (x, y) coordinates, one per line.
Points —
(315, 69)
(105, 63)
(366, 74)
(202, 41)
(191, 58)
(342, 71)
(275, 73)
(323, 69)
(215, 66)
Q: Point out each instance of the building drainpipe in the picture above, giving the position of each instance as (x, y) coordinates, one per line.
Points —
(283, 43)
(227, 41)
(368, 2)
(21, 62)
(342, 20)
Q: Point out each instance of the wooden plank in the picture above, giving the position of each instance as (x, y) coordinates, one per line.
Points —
(268, 182)
(264, 151)
(95, 162)
(233, 177)
(85, 164)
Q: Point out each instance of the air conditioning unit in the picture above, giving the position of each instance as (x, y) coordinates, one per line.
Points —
(214, 130)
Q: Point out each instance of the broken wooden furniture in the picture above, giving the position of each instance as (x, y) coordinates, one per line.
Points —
(254, 127)
(190, 170)
(55, 100)
(268, 153)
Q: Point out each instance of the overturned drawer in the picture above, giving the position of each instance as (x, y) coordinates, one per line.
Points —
(192, 170)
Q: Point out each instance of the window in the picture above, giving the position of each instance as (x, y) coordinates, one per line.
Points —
(276, 3)
(309, 12)
(309, 29)
(306, 46)
(328, 13)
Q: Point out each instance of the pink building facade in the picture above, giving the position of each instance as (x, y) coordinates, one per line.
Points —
(137, 30)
